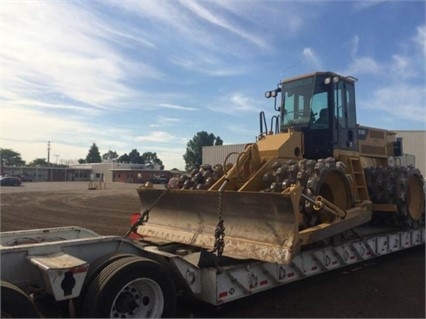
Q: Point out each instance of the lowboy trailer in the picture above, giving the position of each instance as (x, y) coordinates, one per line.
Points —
(93, 275)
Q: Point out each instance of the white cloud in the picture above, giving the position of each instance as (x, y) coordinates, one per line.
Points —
(31, 130)
(209, 66)
(364, 65)
(156, 136)
(54, 48)
(177, 107)
(420, 38)
(363, 5)
(243, 103)
(266, 15)
(403, 67)
(401, 102)
(355, 45)
(163, 121)
(217, 20)
(312, 58)
(236, 104)
(395, 95)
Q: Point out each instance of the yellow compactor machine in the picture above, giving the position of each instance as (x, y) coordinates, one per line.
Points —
(313, 175)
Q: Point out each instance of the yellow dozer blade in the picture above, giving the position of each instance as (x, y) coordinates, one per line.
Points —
(261, 226)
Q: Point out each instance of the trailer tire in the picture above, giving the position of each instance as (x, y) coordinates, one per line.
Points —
(94, 269)
(15, 303)
(131, 287)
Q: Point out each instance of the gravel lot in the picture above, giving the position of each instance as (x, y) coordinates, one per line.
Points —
(388, 287)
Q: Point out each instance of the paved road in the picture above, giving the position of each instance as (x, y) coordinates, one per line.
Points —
(392, 286)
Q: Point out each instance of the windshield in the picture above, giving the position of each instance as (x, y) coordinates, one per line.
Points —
(302, 101)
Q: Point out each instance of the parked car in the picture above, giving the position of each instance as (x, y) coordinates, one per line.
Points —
(159, 180)
(10, 181)
(26, 178)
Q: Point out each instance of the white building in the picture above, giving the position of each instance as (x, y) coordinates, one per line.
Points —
(413, 143)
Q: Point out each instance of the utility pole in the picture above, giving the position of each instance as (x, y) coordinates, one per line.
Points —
(48, 153)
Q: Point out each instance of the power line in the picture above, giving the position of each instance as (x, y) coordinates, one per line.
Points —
(18, 140)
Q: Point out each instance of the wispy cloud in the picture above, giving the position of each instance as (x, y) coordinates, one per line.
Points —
(420, 38)
(312, 58)
(364, 5)
(355, 45)
(177, 107)
(163, 121)
(236, 104)
(156, 136)
(219, 21)
(209, 66)
(401, 102)
(48, 52)
(267, 15)
(399, 95)
(243, 103)
(364, 65)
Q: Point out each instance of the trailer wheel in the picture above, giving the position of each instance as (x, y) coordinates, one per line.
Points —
(94, 269)
(15, 303)
(131, 287)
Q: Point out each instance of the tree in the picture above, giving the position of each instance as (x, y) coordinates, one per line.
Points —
(124, 158)
(218, 141)
(10, 158)
(149, 157)
(110, 155)
(38, 162)
(93, 156)
(135, 157)
(194, 150)
(152, 158)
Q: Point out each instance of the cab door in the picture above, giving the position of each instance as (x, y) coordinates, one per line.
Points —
(318, 137)
(343, 121)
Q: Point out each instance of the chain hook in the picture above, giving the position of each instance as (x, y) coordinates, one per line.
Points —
(145, 214)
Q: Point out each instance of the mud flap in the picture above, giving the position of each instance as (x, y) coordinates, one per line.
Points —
(261, 226)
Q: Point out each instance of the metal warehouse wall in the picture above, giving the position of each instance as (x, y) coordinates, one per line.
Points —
(413, 142)
(216, 154)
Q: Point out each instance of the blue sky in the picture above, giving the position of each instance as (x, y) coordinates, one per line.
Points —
(151, 74)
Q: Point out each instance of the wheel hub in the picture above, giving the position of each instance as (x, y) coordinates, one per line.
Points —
(142, 298)
(128, 301)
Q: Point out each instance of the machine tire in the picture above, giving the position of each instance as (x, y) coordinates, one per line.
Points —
(328, 179)
(131, 287)
(15, 303)
(414, 199)
(402, 186)
(325, 177)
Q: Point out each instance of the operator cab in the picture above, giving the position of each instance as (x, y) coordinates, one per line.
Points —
(322, 106)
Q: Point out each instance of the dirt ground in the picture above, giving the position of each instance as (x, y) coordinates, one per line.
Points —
(392, 286)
